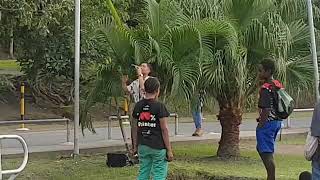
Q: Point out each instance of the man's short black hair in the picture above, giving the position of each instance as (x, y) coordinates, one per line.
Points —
(306, 175)
(151, 85)
(268, 64)
(150, 67)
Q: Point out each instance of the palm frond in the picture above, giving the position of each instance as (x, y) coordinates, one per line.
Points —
(292, 10)
(171, 15)
(241, 13)
(180, 53)
(105, 86)
(201, 9)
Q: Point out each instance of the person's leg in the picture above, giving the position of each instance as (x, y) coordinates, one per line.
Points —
(145, 159)
(159, 164)
(315, 170)
(198, 120)
(265, 147)
(194, 117)
(269, 164)
(133, 125)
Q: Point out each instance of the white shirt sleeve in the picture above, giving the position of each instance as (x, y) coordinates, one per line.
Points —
(130, 88)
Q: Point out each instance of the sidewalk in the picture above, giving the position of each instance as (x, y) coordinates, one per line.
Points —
(55, 141)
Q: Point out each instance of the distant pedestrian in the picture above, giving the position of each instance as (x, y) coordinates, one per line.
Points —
(154, 147)
(197, 102)
(268, 122)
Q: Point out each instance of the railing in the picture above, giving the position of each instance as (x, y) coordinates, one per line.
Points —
(297, 110)
(41, 121)
(15, 172)
(114, 118)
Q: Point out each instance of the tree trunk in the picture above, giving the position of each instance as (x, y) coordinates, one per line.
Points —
(11, 44)
(230, 120)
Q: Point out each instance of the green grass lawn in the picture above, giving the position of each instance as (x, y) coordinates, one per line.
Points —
(193, 161)
(294, 140)
(9, 67)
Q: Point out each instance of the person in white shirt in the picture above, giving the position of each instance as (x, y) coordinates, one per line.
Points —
(136, 90)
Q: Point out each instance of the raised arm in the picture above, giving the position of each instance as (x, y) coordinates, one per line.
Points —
(124, 84)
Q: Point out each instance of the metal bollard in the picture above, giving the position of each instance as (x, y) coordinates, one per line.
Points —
(109, 128)
(176, 123)
(288, 122)
(68, 131)
(22, 108)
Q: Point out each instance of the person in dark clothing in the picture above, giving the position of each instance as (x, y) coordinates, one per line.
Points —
(196, 104)
(268, 123)
(306, 175)
(315, 131)
(154, 147)
(136, 91)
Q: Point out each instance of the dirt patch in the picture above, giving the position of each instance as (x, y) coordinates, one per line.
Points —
(203, 176)
(4, 53)
(11, 111)
(288, 149)
(285, 149)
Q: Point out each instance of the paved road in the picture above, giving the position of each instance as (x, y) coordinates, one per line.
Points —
(51, 138)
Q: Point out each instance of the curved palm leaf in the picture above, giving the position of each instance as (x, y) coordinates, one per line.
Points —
(180, 53)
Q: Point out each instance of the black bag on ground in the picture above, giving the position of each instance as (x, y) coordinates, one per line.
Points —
(118, 159)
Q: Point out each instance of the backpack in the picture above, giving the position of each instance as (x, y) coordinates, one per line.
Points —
(283, 103)
(118, 159)
(311, 146)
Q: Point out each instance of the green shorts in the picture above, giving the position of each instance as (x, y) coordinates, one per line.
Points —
(153, 163)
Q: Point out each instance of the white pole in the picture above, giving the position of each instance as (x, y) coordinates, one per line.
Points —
(76, 77)
(313, 48)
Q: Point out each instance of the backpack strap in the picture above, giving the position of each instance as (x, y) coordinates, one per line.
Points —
(272, 88)
(267, 86)
(273, 84)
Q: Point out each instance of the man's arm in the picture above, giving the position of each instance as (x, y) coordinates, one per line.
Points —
(141, 80)
(165, 136)
(264, 114)
(141, 84)
(265, 107)
(134, 130)
(124, 84)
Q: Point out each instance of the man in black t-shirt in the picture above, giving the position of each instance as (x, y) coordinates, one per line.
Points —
(268, 122)
(154, 147)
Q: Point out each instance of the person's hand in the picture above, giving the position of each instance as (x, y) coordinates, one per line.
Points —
(169, 156)
(139, 71)
(135, 150)
(124, 78)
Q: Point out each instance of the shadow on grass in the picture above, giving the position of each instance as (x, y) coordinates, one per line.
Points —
(211, 159)
(204, 176)
(185, 172)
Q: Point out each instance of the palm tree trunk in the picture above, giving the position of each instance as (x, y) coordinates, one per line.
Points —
(230, 120)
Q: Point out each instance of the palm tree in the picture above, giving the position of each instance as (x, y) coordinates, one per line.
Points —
(165, 38)
(221, 41)
(265, 28)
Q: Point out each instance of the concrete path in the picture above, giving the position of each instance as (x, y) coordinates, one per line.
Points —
(56, 140)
